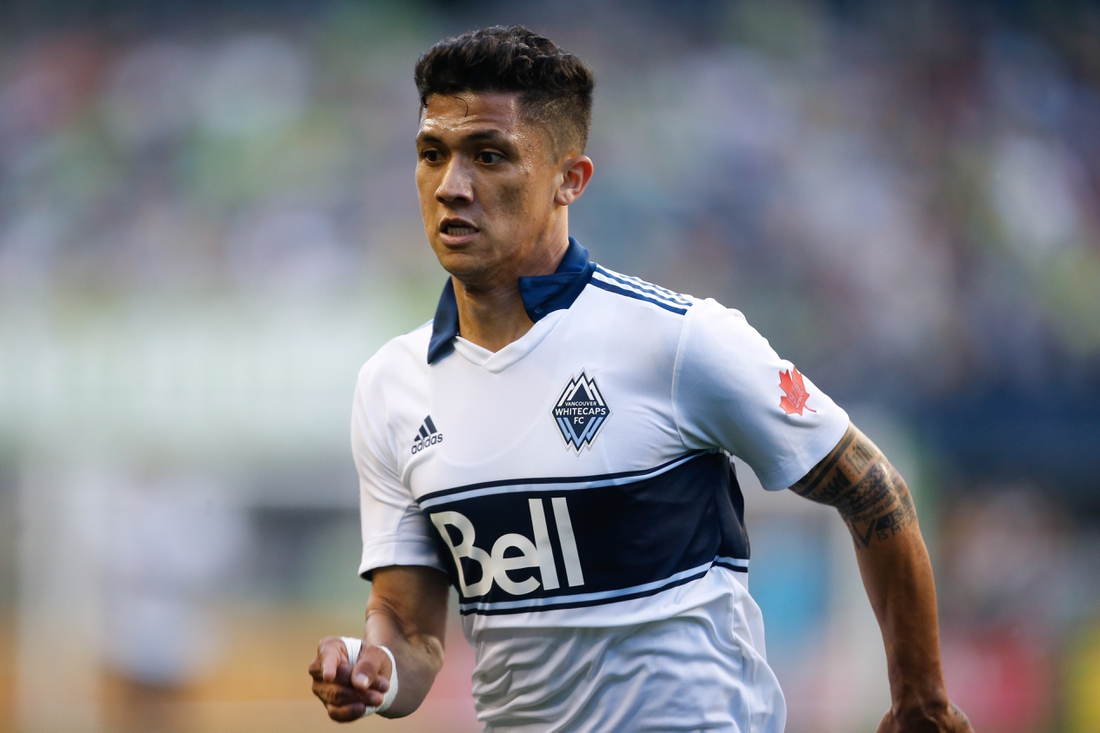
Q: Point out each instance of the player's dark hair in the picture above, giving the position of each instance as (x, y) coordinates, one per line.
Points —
(555, 87)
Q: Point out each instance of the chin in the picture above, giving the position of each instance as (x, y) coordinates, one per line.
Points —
(462, 266)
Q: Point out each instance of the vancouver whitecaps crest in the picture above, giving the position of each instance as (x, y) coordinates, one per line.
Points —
(580, 411)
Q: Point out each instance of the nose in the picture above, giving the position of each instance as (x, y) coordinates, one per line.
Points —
(456, 185)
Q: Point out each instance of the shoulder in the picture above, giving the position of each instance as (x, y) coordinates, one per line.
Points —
(406, 355)
(710, 319)
(704, 318)
(722, 336)
(644, 294)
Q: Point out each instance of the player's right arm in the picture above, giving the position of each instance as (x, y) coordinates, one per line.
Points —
(733, 391)
(872, 498)
(406, 613)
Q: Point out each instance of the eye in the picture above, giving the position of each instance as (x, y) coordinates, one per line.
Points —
(430, 155)
(488, 157)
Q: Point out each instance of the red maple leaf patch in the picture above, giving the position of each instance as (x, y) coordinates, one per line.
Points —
(796, 395)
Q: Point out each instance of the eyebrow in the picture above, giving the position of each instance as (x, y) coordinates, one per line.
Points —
(477, 136)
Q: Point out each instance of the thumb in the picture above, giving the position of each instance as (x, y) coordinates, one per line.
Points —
(372, 670)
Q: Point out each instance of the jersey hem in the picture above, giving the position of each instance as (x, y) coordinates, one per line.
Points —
(395, 550)
(787, 474)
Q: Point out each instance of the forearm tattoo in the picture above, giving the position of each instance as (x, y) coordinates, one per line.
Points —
(868, 492)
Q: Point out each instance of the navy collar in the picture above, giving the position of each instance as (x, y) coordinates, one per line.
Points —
(542, 295)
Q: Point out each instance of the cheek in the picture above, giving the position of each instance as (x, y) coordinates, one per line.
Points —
(429, 207)
(524, 199)
(423, 186)
(514, 198)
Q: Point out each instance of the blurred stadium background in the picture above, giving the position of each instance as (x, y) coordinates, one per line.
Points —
(208, 222)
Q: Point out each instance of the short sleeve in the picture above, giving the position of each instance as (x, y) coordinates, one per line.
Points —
(395, 531)
(732, 391)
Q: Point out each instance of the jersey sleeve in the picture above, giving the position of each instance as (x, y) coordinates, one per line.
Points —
(395, 531)
(732, 391)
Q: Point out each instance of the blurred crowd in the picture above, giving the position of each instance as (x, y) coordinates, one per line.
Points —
(904, 198)
(908, 199)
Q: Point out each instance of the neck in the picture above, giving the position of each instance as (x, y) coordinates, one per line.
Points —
(493, 317)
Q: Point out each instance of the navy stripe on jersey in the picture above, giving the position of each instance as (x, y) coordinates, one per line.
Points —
(528, 547)
(639, 290)
(644, 287)
(732, 563)
(558, 483)
(631, 294)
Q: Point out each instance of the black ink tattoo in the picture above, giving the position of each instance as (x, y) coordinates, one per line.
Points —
(867, 491)
(860, 455)
(820, 470)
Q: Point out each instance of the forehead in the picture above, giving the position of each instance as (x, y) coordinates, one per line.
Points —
(453, 117)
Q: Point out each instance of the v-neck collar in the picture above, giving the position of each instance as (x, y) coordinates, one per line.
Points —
(541, 294)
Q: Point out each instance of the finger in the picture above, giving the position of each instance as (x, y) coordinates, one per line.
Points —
(330, 663)
(346, 713)
(371, 697)
(337, 695)
(334, 694)
(321, 671)
(365, 683)
(372, 671)
(331, 652)
(368, 684)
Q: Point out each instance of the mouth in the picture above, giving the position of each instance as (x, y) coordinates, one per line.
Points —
(457, 231)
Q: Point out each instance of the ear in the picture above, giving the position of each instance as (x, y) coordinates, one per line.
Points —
(576, 171)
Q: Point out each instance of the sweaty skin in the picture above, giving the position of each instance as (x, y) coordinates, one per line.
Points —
(494, 201)
(874, 502)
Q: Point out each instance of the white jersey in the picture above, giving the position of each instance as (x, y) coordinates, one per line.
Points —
(576, 486)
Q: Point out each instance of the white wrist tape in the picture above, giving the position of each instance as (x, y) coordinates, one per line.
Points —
(354, 646)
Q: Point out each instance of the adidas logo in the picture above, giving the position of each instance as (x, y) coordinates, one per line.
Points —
(426, 436)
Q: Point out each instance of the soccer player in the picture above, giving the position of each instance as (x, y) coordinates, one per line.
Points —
(556, 444)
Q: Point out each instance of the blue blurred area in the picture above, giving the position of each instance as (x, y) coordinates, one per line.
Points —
(790, 579)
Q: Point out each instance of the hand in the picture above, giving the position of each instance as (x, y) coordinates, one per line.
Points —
(345, 689)
(949, 720)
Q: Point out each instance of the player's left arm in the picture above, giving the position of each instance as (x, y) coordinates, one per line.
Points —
(874, 502)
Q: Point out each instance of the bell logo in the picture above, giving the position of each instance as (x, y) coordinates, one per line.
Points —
(496, 564)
